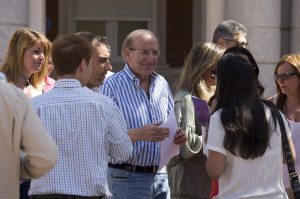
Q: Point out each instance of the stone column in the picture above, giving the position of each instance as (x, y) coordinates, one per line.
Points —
(295, 26)
(37, 15)
(13, 15)
(263, 21)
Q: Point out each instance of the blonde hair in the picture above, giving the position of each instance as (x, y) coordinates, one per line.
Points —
(21, 40)
(201, 57)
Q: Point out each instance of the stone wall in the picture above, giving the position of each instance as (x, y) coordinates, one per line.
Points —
(14, 15)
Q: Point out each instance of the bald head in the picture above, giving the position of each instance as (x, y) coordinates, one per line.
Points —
(136, 35)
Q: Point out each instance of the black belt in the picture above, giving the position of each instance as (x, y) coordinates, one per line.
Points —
(133, 168)
(53, 196)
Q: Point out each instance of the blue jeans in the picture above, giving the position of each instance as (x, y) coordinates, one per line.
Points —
(134, 185)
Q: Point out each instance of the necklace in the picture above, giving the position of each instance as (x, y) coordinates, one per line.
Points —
(292, 112)
(27, 79)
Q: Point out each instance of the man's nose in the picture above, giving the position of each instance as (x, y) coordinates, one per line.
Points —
(108, 66)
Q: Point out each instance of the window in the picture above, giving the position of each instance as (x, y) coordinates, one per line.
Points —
(124, 28)
(110, 18)
(114, 31)
(96, 27)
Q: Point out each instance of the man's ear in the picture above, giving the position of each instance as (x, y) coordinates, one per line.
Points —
(221, 42)
(82, 65)
(127, 53)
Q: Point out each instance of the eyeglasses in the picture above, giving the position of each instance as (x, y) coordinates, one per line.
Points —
(241, 44)
(155, 53)
(283, 76)
(213, 73)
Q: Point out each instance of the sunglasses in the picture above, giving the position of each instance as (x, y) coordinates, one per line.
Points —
(213, 73)
(283, 76)
(241, 44)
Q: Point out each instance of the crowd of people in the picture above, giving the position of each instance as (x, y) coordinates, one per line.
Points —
(87, 135)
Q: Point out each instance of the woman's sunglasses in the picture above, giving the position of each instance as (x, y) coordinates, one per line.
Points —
(213, 74)
(283, 76)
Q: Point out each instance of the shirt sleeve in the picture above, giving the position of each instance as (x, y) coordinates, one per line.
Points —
(120, 147)
(40, 153)
(216, 134)
(185, 117)
(106, 90)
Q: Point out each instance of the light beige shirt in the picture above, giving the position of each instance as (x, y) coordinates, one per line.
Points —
(21, 129)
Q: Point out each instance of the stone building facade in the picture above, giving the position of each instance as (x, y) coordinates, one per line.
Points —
(273, 26)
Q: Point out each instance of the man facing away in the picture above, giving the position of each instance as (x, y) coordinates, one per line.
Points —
(87, 127)
(230, 33)
(145, 100)
(21, 129)
(100, 59)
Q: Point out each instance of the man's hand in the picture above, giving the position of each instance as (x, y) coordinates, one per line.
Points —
(180, 137)
(150, 132)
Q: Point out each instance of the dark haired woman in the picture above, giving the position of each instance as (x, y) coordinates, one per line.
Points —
(244, 139)
(246, 54)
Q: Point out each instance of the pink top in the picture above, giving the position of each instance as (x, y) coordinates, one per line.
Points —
(49, 83)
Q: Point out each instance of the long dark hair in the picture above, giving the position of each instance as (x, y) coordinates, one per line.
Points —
(238, 50)
(243, 115)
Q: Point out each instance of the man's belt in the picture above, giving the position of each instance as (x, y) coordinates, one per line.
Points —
(54, 196)
(133, 168)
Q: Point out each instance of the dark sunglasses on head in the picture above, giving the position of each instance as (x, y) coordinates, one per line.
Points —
(213, 73)
(283, 76)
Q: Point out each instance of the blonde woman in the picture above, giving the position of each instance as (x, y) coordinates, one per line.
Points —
(287, 80)
(25, 67)
(187, 173)
(24, 64)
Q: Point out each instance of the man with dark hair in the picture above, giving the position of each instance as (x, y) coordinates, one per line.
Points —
(87, 127)
(230, 33)
(100, 58)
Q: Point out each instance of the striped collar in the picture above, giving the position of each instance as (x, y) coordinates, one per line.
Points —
(134, 78)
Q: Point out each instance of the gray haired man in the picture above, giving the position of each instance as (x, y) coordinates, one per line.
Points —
(230, 33)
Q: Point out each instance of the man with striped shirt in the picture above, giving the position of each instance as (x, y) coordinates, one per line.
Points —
(145, 99)
(86, 126)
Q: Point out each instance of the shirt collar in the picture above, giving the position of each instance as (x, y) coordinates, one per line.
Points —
(47, 81)
(134, 78)
(96, 89)
(67, 83)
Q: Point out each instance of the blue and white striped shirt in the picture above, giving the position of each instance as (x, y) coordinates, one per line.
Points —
(87, 128)
(138, 110)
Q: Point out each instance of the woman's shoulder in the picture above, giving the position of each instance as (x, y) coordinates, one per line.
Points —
(217, 114)
(273, 99)
(182, 95)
